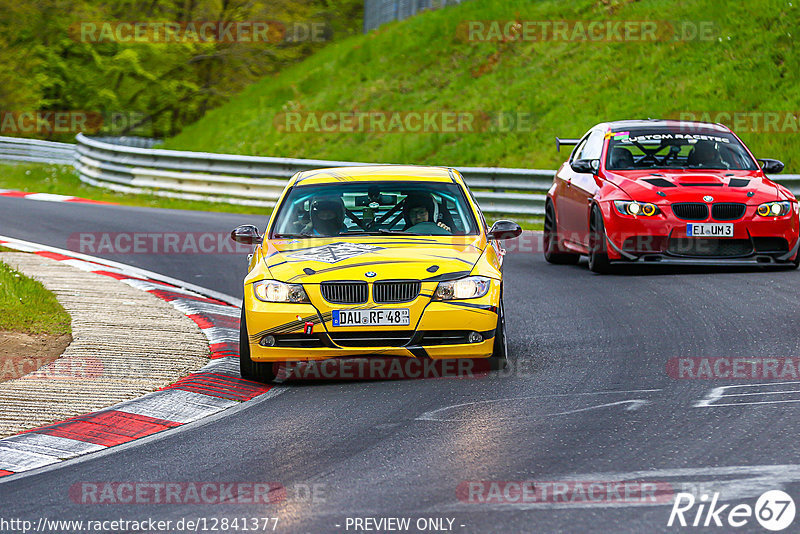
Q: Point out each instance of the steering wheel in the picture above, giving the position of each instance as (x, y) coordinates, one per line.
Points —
(647, 157)
(674, 150)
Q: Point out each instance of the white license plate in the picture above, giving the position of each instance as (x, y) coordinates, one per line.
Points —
(709, 230)
(382, 317)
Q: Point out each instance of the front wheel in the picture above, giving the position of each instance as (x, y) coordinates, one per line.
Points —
(598, 253)
(250, 370)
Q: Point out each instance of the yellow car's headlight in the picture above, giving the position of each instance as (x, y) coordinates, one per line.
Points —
(471, 287)
(631, 207)
(774, 209)
(274, 291)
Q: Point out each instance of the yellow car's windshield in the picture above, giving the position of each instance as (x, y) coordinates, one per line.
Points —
(366, 208)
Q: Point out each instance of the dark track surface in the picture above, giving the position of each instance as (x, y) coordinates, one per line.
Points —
(577, 341)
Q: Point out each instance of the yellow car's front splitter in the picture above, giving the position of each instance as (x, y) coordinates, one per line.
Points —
(437, 352)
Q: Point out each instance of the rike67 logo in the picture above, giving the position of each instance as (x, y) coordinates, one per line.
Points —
(774, 510)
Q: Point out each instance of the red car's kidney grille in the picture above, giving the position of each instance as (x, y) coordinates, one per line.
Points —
(690, 211)
(727, 211)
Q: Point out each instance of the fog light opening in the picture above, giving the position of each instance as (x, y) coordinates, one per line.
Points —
(267, 341)
(475, 337)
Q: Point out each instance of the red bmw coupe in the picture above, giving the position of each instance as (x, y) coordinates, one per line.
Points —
(668, 192)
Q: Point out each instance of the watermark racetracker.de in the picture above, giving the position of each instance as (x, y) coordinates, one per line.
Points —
(396, 121)
(29, 122)
(53, 122)
(161, 492)
(201, 31)
(401, 368)
(733, 368)
(101, 242)
(554, 492)
(744, 121)
(155, 243)
(34, 368)
(586, 31)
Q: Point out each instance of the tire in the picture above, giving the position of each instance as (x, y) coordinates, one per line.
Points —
(250, 370)
(552, 251)
(598, 253)
(499, 358)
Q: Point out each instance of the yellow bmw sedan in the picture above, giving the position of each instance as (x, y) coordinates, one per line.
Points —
(374, 261)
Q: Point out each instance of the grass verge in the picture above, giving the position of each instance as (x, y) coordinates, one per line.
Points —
(29, 307)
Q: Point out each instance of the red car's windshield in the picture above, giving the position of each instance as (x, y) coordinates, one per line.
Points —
(662, 149)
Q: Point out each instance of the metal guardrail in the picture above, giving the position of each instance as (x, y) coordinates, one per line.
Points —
(130, 140)
(259, 181)
(35, 150)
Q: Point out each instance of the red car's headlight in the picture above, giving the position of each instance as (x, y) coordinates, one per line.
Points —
(631, 207)
(774, 209)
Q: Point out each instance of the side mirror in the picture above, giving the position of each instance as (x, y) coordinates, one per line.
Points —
(246, 234)
(503, 230)
(585, 166)
(771, 166)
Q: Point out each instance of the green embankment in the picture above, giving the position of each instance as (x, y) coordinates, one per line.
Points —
(562, 87)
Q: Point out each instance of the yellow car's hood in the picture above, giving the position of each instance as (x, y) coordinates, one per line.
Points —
(316, 260)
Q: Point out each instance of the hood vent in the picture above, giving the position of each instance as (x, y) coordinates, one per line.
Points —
(696, 184)
(738, 182)
(659, 182)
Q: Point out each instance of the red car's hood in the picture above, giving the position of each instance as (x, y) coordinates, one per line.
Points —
(691, 185)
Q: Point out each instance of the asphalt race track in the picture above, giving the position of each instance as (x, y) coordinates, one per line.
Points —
(588, 398)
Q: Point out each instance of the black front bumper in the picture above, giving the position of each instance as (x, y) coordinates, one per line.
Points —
(754, 255)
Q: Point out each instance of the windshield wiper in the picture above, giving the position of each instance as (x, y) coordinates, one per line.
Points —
(284, 236)
(380, 231)
(396, 232)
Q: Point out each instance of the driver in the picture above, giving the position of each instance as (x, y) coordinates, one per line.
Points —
(621, 158)
(705, 154)
(418, 208)
(327, 216)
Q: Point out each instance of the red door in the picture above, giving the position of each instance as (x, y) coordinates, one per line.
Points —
(570, 208)
(580, 190)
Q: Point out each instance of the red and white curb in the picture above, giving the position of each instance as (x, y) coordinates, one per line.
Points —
(215, 387)
(49, 197)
